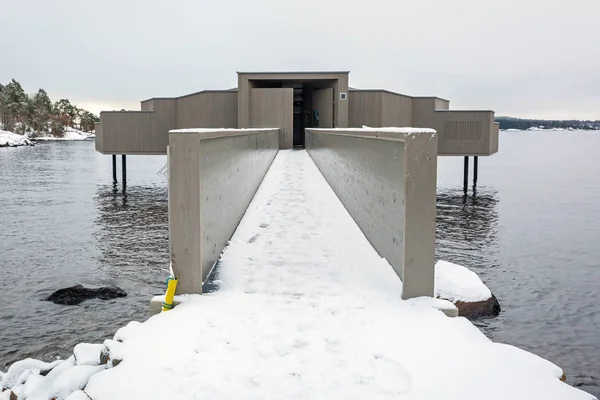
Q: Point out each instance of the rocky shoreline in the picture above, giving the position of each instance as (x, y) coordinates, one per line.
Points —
(62, 379)
(10, 139)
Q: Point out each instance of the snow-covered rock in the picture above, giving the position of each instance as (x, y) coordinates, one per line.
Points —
(9, 139)
(112, 353)
(11, 378)
(465, 289)
(454, 282)
(78, 395)
(87, 354)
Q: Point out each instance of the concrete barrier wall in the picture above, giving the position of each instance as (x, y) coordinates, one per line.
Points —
(213, 176)
(386, 179)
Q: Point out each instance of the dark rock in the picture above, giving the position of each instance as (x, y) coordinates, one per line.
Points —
(76, 294)
(13, 396)
(479, 309)
(104, 357)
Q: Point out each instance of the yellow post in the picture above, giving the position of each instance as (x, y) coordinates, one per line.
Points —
(171, 286)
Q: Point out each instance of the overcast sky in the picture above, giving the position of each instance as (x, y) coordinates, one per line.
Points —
(528, 58)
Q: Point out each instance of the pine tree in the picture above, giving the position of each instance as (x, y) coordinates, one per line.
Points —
(15, 106)
(88, 121)
(42, 111)
(36, 113)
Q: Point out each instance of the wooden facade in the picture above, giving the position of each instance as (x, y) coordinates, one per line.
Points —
(268, 100)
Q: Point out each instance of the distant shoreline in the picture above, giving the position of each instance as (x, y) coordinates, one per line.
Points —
(523, 124)
(11, 139)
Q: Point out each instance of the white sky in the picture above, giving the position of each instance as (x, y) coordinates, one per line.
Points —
(528, 58)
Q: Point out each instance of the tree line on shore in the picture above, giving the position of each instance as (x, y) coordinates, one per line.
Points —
(524, 124)
(36, 114)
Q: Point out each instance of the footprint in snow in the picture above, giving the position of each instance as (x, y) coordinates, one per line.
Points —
(391, 375)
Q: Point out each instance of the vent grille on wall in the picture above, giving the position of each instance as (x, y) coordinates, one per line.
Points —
(462, 130)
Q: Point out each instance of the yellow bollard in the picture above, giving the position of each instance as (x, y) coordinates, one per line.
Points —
(171, 286)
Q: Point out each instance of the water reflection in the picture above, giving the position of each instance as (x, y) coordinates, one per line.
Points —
(132, 233)
(467, 227)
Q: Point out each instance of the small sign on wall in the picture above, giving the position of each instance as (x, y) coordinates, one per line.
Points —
(343, 96)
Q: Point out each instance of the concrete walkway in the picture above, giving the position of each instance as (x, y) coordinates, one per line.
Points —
(296, 241)
(308, 310)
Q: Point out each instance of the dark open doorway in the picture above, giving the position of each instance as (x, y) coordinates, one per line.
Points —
(299, 123)
(313, 105)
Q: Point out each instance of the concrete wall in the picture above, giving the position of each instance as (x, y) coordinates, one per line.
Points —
(208, 109)
(273, 108)
(387, 182)
(322, 100)
(213, 176)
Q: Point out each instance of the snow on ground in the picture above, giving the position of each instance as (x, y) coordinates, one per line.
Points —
(9, 139)
(70, 134)
(457, 283)
(307, 309)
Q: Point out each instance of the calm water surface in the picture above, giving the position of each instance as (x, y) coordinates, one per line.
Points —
(531, 230)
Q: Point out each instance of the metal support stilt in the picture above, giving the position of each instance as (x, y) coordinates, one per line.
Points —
(475, 169)
(114, 167)
(466, 174)
(124, 170)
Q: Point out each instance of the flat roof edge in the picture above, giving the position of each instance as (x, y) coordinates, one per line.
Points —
(192, 94)
(430, 97)
(379, 90)
(289, 72)
(233, 90)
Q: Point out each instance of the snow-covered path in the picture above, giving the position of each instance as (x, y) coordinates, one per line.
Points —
(308, 310)
(297, 242)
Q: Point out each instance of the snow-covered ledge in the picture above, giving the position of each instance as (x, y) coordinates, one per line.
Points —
(465, 290)
(9, 139)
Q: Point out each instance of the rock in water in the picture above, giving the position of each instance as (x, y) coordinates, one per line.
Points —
(479, 309)
(76, 294)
